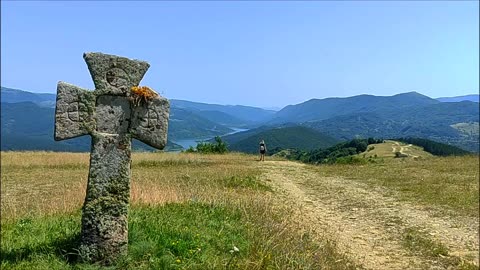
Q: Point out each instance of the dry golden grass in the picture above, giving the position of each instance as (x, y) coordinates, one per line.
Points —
(44, 183)
(388, 149)
(447, 183)
(38, 184)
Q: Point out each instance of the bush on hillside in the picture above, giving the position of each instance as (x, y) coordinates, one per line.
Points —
(351, 160)
(333, 154)
(219, 147)
(274, 151)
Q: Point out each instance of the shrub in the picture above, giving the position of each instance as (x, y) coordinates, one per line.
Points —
(351, 160)
(333, 154)
(219, 147)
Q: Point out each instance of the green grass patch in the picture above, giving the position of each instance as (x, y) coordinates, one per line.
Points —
(416, 241)
(351, 160)
(40, 243)
(191, 235)
(169, 163)
(175, 236)
(421, 243)
(448, 183)
(246, 181)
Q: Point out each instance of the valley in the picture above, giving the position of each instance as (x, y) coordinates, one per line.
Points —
(317, 123)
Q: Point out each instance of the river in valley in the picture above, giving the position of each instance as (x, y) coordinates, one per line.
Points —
(186, 143)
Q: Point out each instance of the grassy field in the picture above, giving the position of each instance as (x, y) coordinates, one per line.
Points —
(450, 184)
(388, 149)
(187, 212)
(192, 211)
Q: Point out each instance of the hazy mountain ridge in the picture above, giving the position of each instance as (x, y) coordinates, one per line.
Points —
(19, 132)
(321, 109)
(473, 98)
(223, 118)
(187, 124)
(402, 115)
(432, 122)
(248, 114)
(11, 95)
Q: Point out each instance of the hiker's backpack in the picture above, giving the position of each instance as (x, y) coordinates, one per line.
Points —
(262, 147)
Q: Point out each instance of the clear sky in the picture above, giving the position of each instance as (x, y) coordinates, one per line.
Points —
(258, 53)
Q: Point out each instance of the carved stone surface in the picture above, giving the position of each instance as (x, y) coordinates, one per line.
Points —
(113, 74)
(73, 112)
(110, 117)
(147, 122)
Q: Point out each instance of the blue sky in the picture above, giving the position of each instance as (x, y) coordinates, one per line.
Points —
(265, 53)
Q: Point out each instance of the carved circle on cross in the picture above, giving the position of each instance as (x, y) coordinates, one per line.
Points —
(118, 78)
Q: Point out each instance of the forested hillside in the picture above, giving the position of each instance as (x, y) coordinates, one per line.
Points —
(276, 139)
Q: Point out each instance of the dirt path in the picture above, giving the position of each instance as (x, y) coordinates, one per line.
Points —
(402, 149)
(367, 222)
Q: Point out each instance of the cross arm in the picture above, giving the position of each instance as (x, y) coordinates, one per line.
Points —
(73, 111)
(150, 122)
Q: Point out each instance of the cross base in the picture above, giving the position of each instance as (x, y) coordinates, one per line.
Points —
(104, 234)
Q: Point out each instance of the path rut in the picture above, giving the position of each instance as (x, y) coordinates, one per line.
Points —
(367, 222)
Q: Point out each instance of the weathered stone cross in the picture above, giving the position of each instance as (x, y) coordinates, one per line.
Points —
(112, 119)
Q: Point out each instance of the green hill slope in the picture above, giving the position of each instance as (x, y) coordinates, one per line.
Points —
(282, 138)
(27, 126)
(186, 124)
(435, 122)
(223, 118)
(14, 95)
(244, 113)
(219, 114)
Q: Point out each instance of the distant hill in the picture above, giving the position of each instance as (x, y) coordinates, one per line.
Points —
(302, 138)
(236, 137)
(222, 118)
(403, 115)
(390, 149)
(439, 122)
(473, 98)
(27, 126)
(14, 95)
(185, 124)
(229, 116)
(321, 109)
(245, 113)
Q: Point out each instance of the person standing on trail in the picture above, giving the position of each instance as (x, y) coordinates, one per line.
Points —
(263, 150)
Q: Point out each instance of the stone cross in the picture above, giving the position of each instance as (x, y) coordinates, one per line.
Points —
(110, 117)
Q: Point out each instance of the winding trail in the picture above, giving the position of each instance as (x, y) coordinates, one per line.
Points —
(402, 149)
(366, 222)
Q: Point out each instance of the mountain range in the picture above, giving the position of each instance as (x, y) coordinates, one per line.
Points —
(27, 121)
(278, 138)
(474, 98)
(403, 115)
